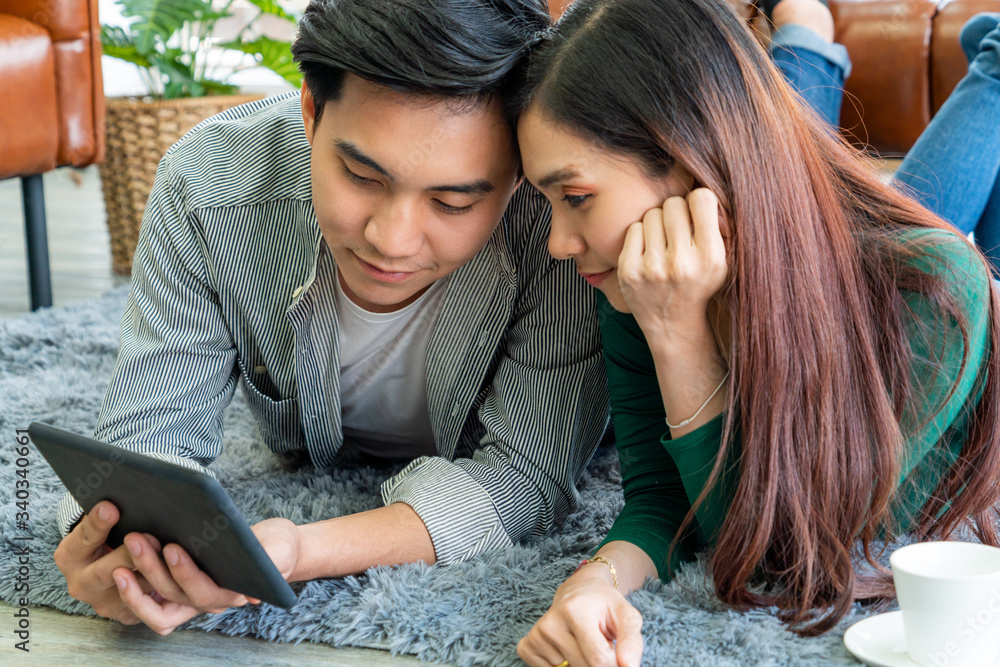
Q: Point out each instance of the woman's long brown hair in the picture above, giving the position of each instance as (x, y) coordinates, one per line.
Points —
(821, 364)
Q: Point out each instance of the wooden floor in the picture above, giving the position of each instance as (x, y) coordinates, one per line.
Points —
(79, 250)
(60, 639)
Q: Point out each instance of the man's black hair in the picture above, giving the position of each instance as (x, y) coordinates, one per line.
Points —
(468, 50)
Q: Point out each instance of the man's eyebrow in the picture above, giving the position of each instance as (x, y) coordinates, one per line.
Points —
(557, 177)
(480, 187)
(353, 152)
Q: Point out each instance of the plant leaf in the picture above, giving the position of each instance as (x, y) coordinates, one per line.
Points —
(115, 42)
(178, 81)
(217, 87)
(272, 54)
(273, 8)
(160, 19)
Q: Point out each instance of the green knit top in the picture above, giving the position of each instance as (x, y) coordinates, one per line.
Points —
(662, 477)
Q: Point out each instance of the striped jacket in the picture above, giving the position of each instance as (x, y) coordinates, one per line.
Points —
(232, 283)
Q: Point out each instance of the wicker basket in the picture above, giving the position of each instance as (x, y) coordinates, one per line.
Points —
(139, 132)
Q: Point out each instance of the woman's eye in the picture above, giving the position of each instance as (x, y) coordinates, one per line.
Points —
(356, 178)
(452, 210)
(575, 201)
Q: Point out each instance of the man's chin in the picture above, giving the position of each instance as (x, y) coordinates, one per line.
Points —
(375, 297)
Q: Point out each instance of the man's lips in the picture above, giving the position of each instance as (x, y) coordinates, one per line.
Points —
(595, 278)
(381, 274)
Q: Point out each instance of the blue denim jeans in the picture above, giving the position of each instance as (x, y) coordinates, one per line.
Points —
(954, 168)
(816, 68)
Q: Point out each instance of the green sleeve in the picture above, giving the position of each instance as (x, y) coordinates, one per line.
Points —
(655, 498)
(936, 424)
(695, 455)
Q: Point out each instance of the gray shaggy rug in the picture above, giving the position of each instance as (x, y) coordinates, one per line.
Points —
(54, 367)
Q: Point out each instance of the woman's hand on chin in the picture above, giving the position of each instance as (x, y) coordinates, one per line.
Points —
(590, 624)
(673, 262)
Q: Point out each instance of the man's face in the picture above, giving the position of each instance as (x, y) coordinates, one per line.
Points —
(406, 189)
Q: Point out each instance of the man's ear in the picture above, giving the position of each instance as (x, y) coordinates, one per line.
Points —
(308, 112)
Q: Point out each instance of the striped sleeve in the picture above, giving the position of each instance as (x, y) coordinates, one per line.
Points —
(174, 372)
(175, 369)
(543, 415)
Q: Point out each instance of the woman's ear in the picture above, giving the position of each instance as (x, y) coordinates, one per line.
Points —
(725, 229)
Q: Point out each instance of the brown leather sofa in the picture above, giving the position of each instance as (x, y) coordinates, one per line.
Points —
(906, 61)
(52, 110)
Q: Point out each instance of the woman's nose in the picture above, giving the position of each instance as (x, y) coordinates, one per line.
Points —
(564, 241)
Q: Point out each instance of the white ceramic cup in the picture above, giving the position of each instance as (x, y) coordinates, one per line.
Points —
(949, 593)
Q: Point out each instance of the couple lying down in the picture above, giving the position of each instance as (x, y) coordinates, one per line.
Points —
(472, 236)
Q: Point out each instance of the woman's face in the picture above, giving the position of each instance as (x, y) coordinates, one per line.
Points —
(595, 196)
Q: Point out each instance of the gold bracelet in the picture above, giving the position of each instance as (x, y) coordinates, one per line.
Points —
(602, 559)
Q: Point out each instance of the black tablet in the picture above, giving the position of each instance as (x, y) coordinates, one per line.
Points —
(173, 503)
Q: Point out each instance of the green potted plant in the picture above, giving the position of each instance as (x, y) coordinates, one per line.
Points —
(172, 44)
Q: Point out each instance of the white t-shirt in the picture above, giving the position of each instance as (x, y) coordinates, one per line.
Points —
(383, 390)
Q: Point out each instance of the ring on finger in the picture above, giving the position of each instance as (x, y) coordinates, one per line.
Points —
(564, 663)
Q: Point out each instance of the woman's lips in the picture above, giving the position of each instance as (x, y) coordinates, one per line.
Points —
(595, 279)
(384, 276)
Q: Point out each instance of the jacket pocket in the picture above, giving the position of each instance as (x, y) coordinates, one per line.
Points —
(277, 420)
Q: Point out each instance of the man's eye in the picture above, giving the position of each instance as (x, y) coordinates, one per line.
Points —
(575, 201)
(356, 178)
(453, 210)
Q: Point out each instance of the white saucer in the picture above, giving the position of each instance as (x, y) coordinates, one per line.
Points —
(879, 641)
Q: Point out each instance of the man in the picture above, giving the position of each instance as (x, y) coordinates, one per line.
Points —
(341, 255)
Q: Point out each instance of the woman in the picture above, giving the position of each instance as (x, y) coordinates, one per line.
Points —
(823, 349)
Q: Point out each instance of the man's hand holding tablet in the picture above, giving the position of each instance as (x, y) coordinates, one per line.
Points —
(141, 581)
(114, 560)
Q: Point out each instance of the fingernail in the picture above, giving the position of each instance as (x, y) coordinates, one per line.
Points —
(134, 547)
(171, 556)
(122, 583)
(104, 513)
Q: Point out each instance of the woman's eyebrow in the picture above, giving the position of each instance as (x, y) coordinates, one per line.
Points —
(563, 174)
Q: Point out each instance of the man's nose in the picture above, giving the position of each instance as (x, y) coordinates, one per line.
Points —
(396, 230)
